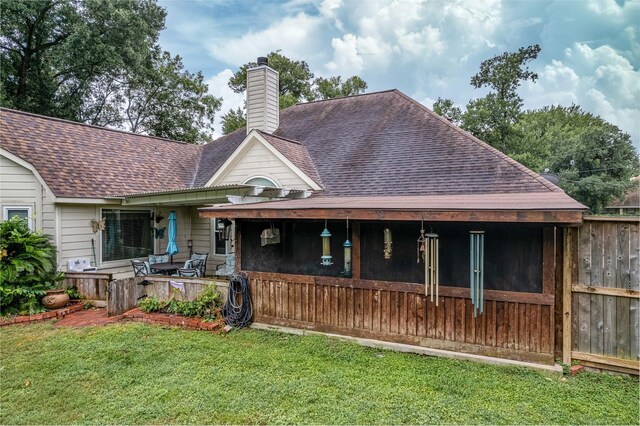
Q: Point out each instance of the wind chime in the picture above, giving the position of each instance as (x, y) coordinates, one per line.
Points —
(428, 252)
(476, 242)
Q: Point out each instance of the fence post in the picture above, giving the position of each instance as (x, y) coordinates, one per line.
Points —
(566, 296)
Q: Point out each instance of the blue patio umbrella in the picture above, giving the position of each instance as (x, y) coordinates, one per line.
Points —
(172, 247)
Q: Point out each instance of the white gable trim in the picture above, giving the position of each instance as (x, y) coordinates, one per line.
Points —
(244, 147)
(29, 167)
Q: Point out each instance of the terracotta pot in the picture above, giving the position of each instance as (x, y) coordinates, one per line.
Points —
(55, 299)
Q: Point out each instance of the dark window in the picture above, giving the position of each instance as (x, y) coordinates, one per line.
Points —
(127, 234)
(220, 237)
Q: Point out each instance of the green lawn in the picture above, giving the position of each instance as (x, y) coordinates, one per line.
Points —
(142, 374)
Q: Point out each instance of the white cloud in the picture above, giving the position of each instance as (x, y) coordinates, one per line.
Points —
(218, 86)
(294, 35)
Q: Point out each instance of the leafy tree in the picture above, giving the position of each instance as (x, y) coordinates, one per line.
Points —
(334, 87)
(492, 117)
(594, 159)
(27, 267)
(297, 84)
(99, 62)
(447, 109)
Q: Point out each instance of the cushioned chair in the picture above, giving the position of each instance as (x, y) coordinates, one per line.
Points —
(203, 257)
(140, 268)
(191, 268)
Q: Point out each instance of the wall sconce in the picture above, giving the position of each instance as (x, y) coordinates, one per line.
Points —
(387, 243)
(326, 259)
(347, 255)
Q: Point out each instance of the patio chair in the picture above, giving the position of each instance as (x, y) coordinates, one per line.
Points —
(204, 257)
(191, 268)
(158, 258)
(140, 268)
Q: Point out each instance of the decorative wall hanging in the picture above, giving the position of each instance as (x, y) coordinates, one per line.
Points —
(428, 251)
(388, 242)
(98, 225)
(159, 233)
(476, 242)
(326, 259)
(159, 217)
(270, 236)
(347, 255)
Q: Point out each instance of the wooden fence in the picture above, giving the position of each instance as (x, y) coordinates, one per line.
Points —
(514, 325)
(90, 285)
(124, 294)
(601, 294)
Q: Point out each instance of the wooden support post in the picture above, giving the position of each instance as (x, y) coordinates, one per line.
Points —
(238, 237)
(356, 252)
(566, 296)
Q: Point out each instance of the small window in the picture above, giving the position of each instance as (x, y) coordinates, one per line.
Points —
(21, 211)
(261, 181)
(128, 234)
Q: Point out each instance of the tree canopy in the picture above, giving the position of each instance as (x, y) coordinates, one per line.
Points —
(99, 62)
(593, 158)
(297, 84)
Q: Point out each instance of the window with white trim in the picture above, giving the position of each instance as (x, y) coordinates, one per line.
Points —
(127, 234)
(220, 238)
(261, 181)
(23, 212)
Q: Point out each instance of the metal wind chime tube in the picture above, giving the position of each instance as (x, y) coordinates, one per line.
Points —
(428, 252)
(476, 245)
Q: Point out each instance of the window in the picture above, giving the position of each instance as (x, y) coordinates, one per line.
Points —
(261, 181)
(128, 234)
(221, 236)
(21, 211)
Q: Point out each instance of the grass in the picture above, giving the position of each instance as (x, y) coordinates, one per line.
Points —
(140, 374)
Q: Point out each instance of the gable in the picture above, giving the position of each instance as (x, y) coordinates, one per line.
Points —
(255, 157)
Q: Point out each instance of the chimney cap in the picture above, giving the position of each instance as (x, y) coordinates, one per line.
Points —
(262, 60)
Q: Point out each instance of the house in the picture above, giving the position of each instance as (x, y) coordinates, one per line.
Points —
(371, 173)
(629, 205)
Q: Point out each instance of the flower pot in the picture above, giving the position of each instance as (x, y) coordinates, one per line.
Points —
(55, 299)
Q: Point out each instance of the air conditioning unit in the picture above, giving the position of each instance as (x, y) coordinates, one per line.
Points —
(81, 264)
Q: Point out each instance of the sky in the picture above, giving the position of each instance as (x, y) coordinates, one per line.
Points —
(427, 49)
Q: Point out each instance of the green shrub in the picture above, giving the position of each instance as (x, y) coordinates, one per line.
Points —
(73, 292)
(27, 268)
(207, 305)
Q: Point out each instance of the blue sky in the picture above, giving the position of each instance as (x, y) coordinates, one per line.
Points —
(427, 49)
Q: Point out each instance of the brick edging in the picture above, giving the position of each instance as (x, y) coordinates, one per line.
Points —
(56, 314)
(136, 315)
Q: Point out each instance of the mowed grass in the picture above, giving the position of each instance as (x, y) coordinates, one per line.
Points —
(141, 374)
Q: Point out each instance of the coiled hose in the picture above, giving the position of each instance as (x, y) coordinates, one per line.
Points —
(237, 310)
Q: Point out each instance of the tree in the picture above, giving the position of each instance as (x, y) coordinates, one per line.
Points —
(52, 50)
(447, 109)
(593, 158)
(297, 84)
(492, 117)
(99, 62)
(334, 87)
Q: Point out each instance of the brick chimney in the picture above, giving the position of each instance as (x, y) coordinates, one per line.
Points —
(263, 100)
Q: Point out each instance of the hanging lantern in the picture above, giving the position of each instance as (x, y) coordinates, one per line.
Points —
(347, 255)
(326, 247)
(387, 243)
(476, 242)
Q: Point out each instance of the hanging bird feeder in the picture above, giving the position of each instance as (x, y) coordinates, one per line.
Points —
(476, 242)
(326, 259)
(388, 242)
(347, 255)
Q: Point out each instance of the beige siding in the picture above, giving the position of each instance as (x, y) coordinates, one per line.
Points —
(20, 187)
(257, 160)
(202, 236)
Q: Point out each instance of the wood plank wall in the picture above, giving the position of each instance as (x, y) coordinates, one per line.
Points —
(605, 288)
(91, 286)
(514, 325)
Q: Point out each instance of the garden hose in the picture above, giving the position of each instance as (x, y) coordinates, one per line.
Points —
(237, 311)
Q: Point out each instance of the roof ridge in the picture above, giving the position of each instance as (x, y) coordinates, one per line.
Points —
(62, 120)
(486, 146)
(279, 137)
